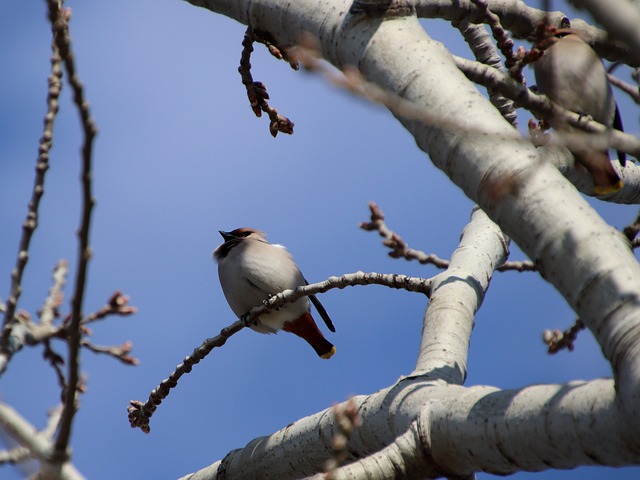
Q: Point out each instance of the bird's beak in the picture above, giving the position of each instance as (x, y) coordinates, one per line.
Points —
(226, 235)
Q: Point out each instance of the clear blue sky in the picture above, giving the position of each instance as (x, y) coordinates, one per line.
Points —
(180, 156)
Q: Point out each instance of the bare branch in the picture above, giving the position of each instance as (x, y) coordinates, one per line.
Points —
(400, 249)
(119, 352)
(56, 361)
(557, 340)
(38, 444)
(541, 106)
(59, 19)
(631, 90)
(631, 231)
(257, 91)
(117, 305)
(346, 419)
(53, 301)
(140, 413)
(31, 221)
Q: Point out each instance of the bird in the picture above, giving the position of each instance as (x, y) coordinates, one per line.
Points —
(251, 270)
(572, 75)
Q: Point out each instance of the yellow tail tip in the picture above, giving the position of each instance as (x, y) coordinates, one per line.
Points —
(329, 354)
(604, 189)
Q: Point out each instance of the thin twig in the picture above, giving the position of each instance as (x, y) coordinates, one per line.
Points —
(117, 305)
(140, 412)
(257, 91)
(119, 352)
(346, 419)
(59, 19)
(600, 136)
(56, 361)
(400, 249)
(557, 340)
(31, 221)
(53, 301)
(631, 231)
(631, 90)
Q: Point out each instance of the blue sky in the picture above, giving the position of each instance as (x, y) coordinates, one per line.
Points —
(180, 156)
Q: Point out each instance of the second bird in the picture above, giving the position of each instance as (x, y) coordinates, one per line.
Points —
(571, 74)
(251, 270)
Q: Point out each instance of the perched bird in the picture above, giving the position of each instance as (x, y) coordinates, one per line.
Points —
(572, 75)
(251, 270)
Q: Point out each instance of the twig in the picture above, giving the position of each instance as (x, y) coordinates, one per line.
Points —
(400, 249)
(53, 301)
(59, 19)
(56, 361)
(627, 88)
(631, 231)
(140, 412)
(505, 43)
(557, 340)
(257, 91)
(119, 352)
(31, 221)
(346, 419)
(117, 305)
(267, 40)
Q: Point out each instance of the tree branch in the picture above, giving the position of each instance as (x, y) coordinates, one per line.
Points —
(38, 444)
(257, 91)
(59, 21)
(598, 136)
(400, 249)
(140, 413)
(7, 346)
(457, 295)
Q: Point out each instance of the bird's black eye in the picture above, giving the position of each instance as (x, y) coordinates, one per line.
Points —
(246, 233)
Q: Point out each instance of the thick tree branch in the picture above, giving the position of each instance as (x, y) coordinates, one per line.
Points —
(457, 295)
(456, 431)
(465, 430)
(485, 52)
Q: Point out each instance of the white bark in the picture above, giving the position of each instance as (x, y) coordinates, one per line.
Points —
(38, 444)
(426, 424)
